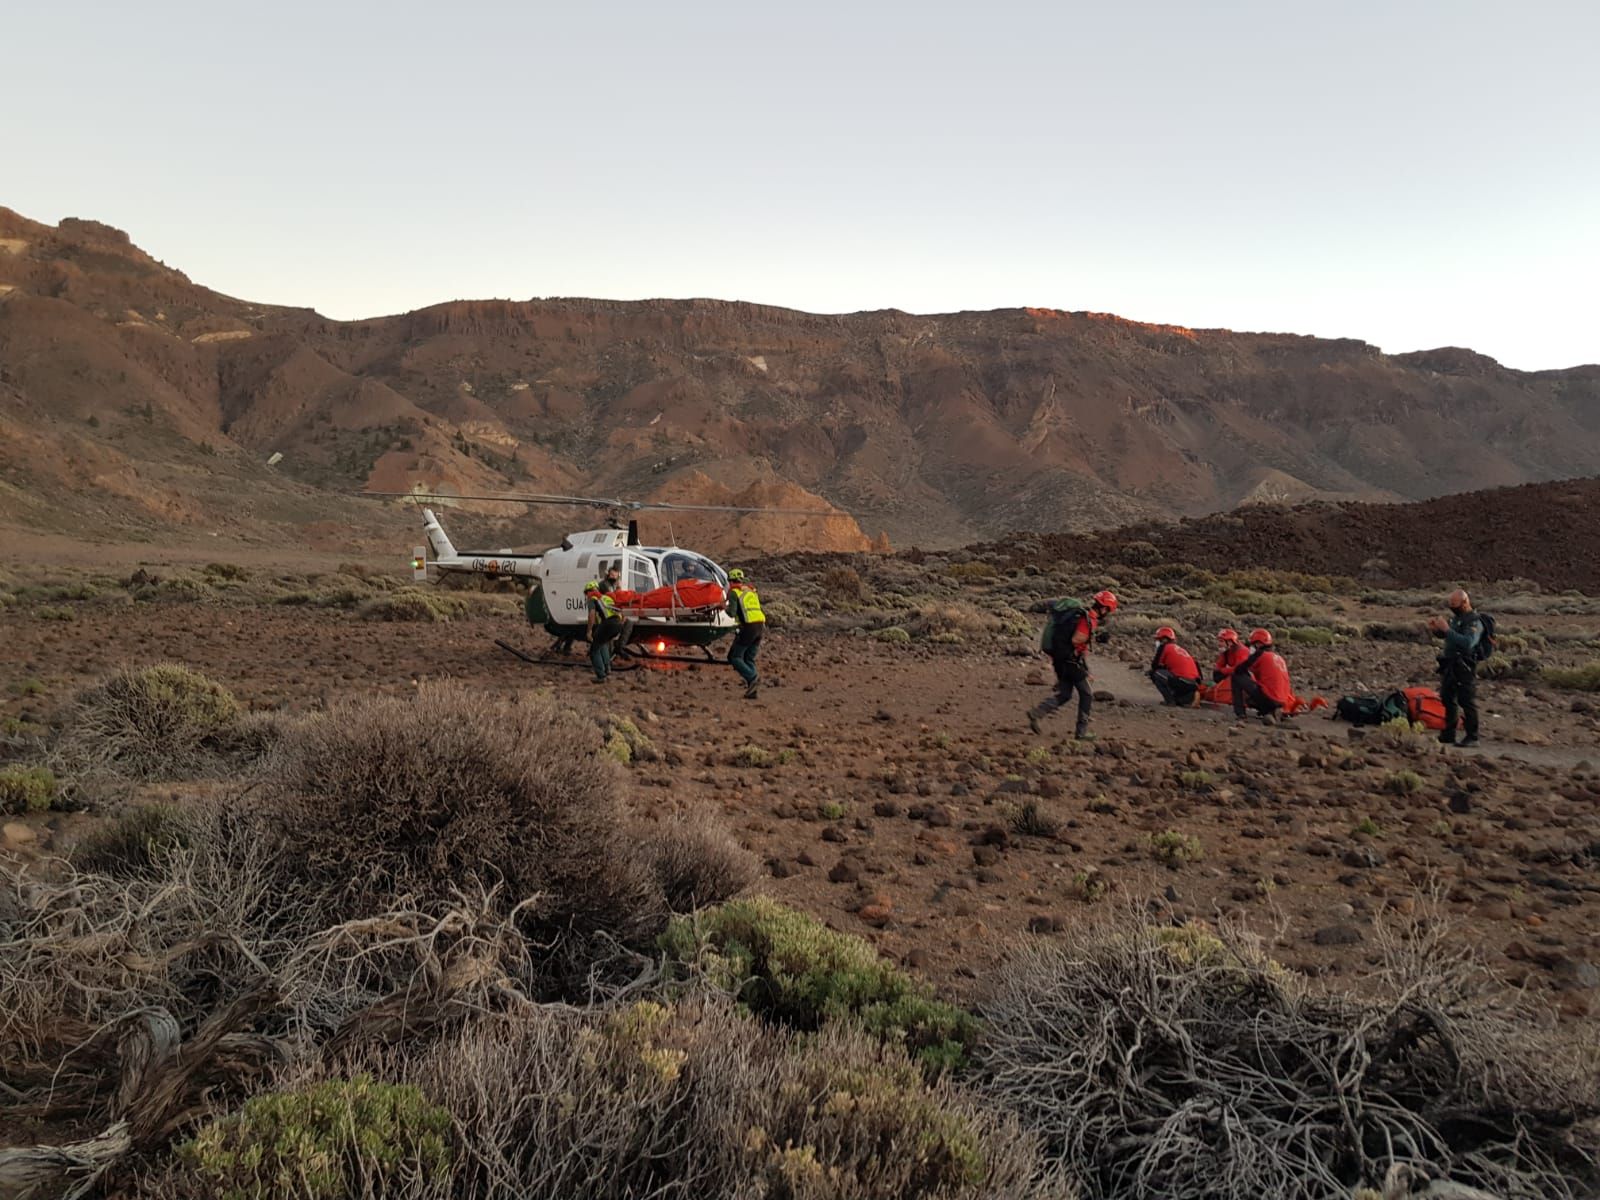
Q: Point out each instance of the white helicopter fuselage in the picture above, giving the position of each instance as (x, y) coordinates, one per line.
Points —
(562, 572)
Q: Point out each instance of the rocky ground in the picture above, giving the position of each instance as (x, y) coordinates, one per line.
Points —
(892, 786)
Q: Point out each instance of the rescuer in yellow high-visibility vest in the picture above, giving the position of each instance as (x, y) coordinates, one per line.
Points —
(605, 623)
(744, 606)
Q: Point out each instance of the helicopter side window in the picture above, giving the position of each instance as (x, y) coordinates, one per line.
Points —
(641, 576)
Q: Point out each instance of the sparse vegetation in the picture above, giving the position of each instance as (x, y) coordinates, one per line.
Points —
(52, 612)
(1173, 849)
(386, 798)
(1030, 820)
(329, 1141)
(26, 789)
(1369, 827)
(1089, 886)
(1583, 679)
(1403, 783)
(412, 605)
(696, 863)
(133, 842)
(1310, 635)
(158, 722)
(832, 810)
(1196, 781)
(1105, 1041)
(894, 635)
(788, 967)
(752, 755)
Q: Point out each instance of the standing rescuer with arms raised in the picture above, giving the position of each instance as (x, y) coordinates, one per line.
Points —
(1463, 633)
(1068, 630)
(744, 606)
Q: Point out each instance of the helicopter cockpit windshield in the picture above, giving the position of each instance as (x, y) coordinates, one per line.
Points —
(679, 565)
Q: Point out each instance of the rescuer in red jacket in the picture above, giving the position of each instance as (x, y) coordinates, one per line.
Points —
(1233, 653)
(1261, 682)
(1173, 670)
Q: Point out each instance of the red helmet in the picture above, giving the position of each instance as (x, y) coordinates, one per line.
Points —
(1166, 632)
(1106, 600)
(1228, 636)
(1260, 637)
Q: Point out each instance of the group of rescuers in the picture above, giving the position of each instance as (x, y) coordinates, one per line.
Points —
(1258, 674)
(606, 624)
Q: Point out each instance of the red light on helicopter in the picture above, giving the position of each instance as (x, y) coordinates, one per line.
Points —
(660, 646)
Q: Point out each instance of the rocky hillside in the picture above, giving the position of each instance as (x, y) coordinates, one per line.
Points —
(131, 397)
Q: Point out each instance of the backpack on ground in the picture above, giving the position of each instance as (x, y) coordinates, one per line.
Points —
(1486, 643)
(1062, 622)
(1370, 709)
(1423, 706)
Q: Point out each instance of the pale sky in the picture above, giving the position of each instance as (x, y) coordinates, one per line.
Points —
(1412, 174)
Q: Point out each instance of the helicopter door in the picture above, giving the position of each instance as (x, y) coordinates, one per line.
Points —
(640, 576)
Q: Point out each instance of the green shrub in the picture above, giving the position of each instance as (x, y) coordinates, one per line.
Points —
(894, 635)
(625, 742)
(227, 572)
(832, 810)
(338, 1140)
(789, 967)
(1583, 679)
(1196, 781)
(1403, 783)
(752, 755)
(1173, 849)
(50, 612)
(696, 1101)
(1369, 827)
(133, 842)
(26, 789)
(149, 723)
(27, 687)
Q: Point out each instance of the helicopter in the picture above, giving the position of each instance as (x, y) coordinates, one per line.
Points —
(671, 598)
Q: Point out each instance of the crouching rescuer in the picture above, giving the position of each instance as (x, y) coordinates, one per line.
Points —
(1173, 670)
(744, 606)
(1261, 682)
(1068, 631)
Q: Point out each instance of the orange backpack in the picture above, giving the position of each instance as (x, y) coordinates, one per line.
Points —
(1423, 705)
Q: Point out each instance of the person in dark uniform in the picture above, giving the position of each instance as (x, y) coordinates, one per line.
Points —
(1069, 629)
(1458, 667)
(744, 606)
(605, 623)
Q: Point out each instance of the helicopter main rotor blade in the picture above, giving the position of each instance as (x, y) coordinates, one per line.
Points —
(603, 502)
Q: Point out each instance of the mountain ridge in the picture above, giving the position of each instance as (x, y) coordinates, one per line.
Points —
(132, 394)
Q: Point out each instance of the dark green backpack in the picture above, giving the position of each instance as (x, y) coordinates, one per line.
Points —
(1062, 623)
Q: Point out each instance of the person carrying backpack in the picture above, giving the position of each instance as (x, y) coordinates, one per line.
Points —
(605, 625)
(1068, 631)
(1468, 640)
(1173, 670)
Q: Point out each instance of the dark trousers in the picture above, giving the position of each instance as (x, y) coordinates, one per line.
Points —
(1247, 693)
(1072, 675)
(1458, 688)
(603, 646)
(742, 654)
(1173, 689)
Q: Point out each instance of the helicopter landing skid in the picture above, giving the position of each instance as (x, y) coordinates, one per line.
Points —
(648, 656)
(551, 662)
